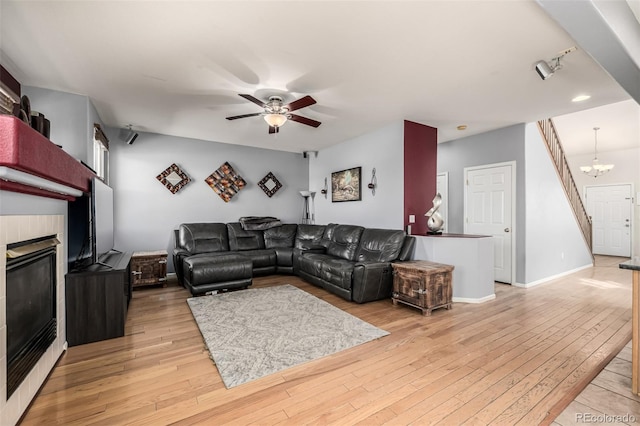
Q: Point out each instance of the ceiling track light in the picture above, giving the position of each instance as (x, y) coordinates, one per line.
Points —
(128, 135)
(546, 69)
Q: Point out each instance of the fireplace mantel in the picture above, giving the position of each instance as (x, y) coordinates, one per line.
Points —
(25, 150)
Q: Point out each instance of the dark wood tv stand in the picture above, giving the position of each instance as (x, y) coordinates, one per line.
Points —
(97, 299)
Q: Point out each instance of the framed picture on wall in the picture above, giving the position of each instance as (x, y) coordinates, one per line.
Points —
(345, 185)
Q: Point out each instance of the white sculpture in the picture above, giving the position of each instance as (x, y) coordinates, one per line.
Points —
(435, 222)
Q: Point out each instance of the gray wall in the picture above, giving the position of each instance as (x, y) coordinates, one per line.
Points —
(146, 213)
(72, 117)
(382, 149)
(554, 243)
(506, 144)
(69, 118)
(625, 172)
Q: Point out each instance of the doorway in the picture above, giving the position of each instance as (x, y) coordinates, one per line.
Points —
(489, 210)
(610, 209)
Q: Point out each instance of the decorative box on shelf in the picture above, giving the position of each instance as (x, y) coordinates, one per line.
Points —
(423, 285)
(149, 268)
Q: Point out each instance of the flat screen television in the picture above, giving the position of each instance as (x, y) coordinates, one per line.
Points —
(102, 219)
(90, 229)
(79, 246)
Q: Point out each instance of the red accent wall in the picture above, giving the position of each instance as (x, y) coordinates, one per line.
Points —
(420, 171)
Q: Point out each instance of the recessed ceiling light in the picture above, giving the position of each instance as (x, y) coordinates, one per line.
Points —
(580, 98)
(462, 127)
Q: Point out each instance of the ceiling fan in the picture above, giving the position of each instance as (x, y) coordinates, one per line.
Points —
(276, 114)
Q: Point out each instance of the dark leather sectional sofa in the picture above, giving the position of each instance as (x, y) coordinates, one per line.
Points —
(347, 260)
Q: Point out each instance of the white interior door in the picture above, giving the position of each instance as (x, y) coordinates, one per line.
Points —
(610, 209)
(489, 211)
(442, 187)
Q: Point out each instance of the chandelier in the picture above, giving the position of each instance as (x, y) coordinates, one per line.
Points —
(596, 169)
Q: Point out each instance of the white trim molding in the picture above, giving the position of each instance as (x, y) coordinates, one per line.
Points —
(552, 277)
(25, 178)
(470, 300)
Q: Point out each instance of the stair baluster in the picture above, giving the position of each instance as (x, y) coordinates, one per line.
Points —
(552, 141)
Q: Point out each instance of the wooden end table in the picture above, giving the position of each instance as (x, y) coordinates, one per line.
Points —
(149, 268)
(423, 285)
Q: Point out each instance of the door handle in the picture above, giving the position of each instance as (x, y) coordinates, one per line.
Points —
(507, 230)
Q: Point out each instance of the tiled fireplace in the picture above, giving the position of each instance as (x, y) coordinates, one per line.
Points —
(14, 229)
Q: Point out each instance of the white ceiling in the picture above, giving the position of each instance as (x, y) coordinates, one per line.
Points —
(619, 125)
(176, 67)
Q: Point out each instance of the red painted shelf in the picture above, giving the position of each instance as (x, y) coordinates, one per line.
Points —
(24, 149)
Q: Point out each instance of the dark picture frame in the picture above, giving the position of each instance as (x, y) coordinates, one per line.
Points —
(169, 178)
(270, 184)
(346, 185)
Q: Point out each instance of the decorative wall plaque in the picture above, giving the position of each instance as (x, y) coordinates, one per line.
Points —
(345, 185)
(270, 184)
(173, 178)
(225, 182)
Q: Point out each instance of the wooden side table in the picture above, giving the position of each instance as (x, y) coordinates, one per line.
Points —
(422, 284)
(149, 268)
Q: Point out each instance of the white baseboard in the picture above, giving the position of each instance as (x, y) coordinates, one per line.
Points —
(171, 275)
(552, 277)
(470, 300)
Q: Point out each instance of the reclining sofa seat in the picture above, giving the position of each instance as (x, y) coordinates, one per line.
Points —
(347, 260)
(204, 262)
(251, 244)
(356, 263)
(198, 239)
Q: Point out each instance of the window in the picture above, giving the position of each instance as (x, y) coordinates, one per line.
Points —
(100, 153)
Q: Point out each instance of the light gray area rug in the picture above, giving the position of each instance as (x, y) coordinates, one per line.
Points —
(256, 332)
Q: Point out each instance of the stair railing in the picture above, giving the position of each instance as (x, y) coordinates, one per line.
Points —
(552, 141)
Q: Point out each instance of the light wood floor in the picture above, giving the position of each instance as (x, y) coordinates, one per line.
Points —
(519, 359)
(609, 394)
(607, 399)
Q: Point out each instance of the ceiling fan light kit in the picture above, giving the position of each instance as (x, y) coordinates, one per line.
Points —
(275, 120)
(276, 114)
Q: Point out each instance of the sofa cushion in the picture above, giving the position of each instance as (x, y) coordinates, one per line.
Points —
(380, 245)
(280, 236)
(260, 258)
(216, 268)
(337, 272)
(329, 232)
(328, 268)
(343, 240)
(203, 237)
(309, 236)
(240, 240)
(311, 263)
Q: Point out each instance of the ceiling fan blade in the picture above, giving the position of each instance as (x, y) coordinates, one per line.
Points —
(304, 120)
(301, 103)
(273, 129)
(254, 100)
(235, 117)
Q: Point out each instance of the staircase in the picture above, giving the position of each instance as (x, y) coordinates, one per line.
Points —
(552, 141)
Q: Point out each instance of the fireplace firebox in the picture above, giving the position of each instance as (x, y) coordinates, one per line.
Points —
(30, 305)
